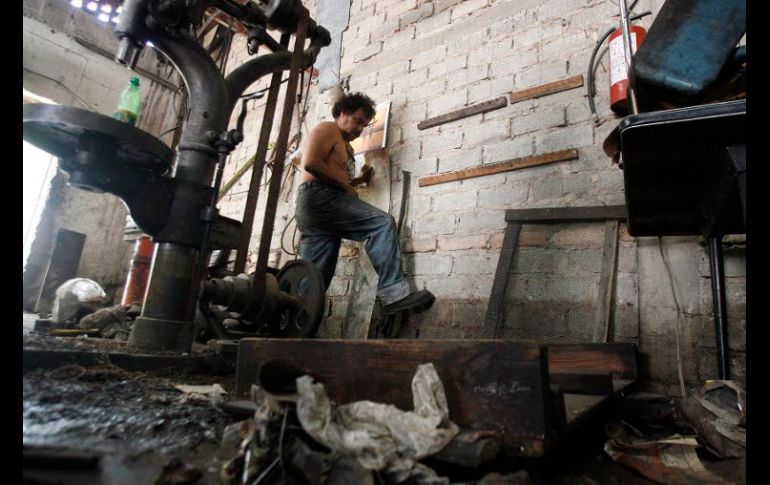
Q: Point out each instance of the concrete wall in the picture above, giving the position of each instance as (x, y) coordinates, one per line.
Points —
(57, 67)
(430, 57)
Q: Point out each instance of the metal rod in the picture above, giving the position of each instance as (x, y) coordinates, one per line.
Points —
(716, 261)
(632, 106)
(280, 155)
(259, 166)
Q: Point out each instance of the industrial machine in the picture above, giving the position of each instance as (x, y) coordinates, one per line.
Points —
(172, 194)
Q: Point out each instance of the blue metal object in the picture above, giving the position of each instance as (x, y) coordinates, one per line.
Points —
(687, 46)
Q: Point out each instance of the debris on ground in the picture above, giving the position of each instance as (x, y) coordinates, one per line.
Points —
(177, 472)
(304, 433)
(113, 322)
(669, 460)
(211, 392)
(717, 411)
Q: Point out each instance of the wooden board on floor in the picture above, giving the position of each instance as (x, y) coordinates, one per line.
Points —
(489, 384)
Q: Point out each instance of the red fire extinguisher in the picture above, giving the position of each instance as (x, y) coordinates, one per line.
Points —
(618, 67)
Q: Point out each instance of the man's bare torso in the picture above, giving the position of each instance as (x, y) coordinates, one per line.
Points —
(337, 159)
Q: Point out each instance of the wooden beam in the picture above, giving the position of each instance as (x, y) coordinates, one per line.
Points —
(619, 359)
(489, 384)
(567, 214)
(548, 88)
(583, 383)
(495, 317)
(474, 109)
(607, 281)
(506, 166)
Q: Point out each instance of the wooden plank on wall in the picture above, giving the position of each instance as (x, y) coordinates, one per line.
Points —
(474, 109)
(489, 384)
(506, 166)
(548, 88)
(567, 214)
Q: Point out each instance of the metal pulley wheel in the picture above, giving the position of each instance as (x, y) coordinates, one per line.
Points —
(301, 300)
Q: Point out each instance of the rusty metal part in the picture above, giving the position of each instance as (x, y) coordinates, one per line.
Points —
(259, 166)
(136, 283)
(280, 156)
(301, 297)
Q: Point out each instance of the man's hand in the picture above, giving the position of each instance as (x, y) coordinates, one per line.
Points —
(366, 175)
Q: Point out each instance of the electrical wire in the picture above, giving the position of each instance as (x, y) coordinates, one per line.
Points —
(678, 314)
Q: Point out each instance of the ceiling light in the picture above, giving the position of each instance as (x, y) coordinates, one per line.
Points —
(92, 6)
(115, 19)
(77, 3)
(119, 9)
(149, 44)
(106, 8)
(104, 17)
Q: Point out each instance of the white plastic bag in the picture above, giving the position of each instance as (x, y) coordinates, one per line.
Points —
(73, 295)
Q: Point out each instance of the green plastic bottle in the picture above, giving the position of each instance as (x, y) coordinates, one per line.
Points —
(130, 103)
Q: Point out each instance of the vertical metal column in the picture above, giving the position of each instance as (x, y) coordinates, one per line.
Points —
(258, 168)
(716, 261)
(280, 155)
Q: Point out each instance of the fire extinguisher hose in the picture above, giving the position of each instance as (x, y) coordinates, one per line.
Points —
(590, 87)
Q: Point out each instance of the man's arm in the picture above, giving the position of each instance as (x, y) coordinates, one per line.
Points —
(319, 146)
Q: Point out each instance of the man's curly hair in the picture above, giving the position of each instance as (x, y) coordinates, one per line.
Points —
(350, 103)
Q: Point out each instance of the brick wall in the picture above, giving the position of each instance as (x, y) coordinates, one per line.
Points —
(430, 57)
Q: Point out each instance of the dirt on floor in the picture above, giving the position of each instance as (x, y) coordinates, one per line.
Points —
(146, 431)
(137, 422)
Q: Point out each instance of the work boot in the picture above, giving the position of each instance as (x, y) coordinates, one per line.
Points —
(416, 302)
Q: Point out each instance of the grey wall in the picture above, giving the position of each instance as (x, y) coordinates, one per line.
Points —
(57, 67)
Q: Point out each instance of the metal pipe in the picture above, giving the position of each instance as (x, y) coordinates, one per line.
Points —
(716, 262)
(632, 106)
(172, 290)
(247, 74)
(169, 290)
(208, 117)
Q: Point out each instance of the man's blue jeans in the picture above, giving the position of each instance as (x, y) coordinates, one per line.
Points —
(326, 215)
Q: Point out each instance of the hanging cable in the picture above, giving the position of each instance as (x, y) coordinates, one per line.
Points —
(678, 314)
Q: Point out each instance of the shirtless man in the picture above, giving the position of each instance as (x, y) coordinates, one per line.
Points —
(328, 207)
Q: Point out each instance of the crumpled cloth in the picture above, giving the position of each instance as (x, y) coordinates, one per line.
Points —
(380, 436)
